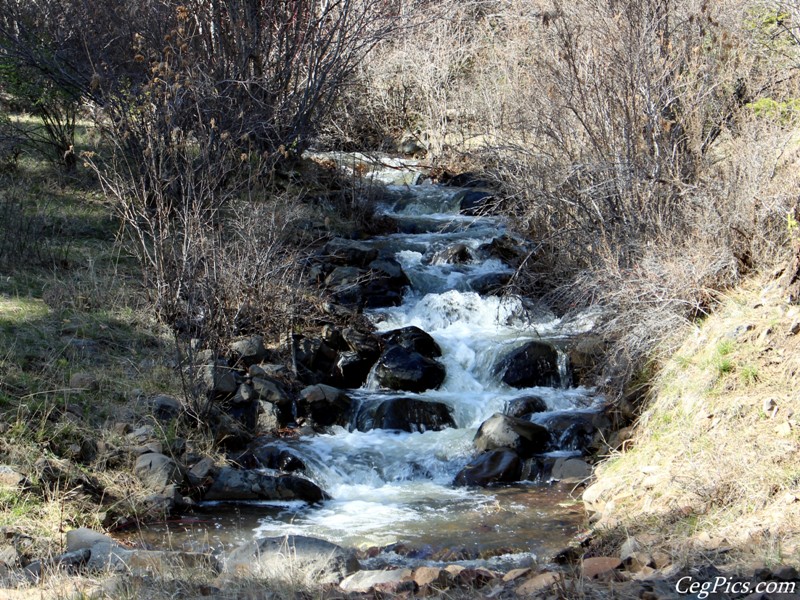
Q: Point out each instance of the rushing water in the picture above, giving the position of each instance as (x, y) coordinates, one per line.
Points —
(390, 487)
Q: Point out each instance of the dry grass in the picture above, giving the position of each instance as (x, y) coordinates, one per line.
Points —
(714, 460)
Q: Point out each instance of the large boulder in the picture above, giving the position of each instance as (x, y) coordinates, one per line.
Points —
(325, 405)
(235, 484)
(415, 339)
(534, 364)
(490, 283)
(410, 414)
(349, 252)
(502, 465)
(502, 431)
(403, 369)
(295, 559)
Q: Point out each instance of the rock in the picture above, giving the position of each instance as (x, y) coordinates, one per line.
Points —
(414, 339)
(504, 248)
(411, 147)
(496, 466)
(571, 469)
(10, 478)
(267, 370)
(82, 381)
(573, 430)
(410, 414)
(234, 484)
(268, 417)
(514, 574)
(166, 408)
(365, 581)
(350, 252)
(534, 364)
(218, 378)
(785, 573)
(473, 202)
(346, 276)
(201, 471)
(490, 283)
(501, 431)
(363, 344)
(230, 433)
(281, 459)
(295, 559)
(249, 351)
(157, 471)
(84, 538)
(325, 405)
(352, 369)
(391, 270)
(525, 405)
(402, 369)
(456, 254)
(538, 584)
(432, 576)
(270, 390)
(600, 567)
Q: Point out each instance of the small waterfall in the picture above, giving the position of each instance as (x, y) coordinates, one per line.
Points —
(389, 486)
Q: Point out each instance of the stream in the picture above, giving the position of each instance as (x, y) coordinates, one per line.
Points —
(393, 491)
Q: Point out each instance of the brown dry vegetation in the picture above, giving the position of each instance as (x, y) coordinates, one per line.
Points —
(713, 461)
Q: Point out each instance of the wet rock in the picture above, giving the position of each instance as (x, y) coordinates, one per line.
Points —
(457, 254)
(249, 351)
(573, 430)
(325, 405)
(391, 270)
(281, 459)
(534, 364)
(349, 252)
(490, 283)
(402, 369)
(501, 431)
(525, 405)
(351, 369)
(365, 581)
(157, 471)
(495, 466)
(294, 559)
(504, 248)
(234, 484)
(410, 414)
(364, 344)
(414, 339)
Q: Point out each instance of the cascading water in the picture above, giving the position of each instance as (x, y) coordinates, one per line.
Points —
(391, 487)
